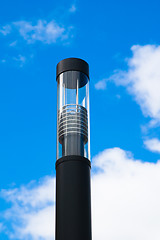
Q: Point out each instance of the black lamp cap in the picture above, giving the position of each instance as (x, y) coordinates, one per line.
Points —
(72, 64)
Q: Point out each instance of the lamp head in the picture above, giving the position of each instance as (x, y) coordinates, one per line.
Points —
(73, 127)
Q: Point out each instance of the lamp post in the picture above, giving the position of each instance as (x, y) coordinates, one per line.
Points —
(73, 191)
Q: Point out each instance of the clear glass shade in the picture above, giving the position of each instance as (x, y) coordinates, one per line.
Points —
(73, 120)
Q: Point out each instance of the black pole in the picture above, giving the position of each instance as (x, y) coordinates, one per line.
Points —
(73, 191)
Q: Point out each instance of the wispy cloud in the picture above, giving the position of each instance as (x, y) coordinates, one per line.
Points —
(22, 35)
(13, 44)
(47, 32)
(3, 60)
(5, 30)
(153, 144)
(43, 31)
(125, 201)
(73, 8)
(101, 85)
(20, 60)
(1, 227)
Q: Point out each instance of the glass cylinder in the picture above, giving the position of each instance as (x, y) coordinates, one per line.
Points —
(73, 120)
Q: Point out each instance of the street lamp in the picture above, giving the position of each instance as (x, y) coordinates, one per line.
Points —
(73, 197)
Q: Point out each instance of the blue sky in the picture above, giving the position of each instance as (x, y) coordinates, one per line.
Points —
(120, 41)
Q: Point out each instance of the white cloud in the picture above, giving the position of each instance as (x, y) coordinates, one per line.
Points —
(125, 201)
(101, 85)
(32, 212)
(43, 31)
(142, 79)
(153, 145)
(125, 196)
(5, 30)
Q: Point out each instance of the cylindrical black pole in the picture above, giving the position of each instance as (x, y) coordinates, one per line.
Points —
(73, 201)
(73, 187)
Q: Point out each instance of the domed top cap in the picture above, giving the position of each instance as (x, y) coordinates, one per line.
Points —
(72, 64)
